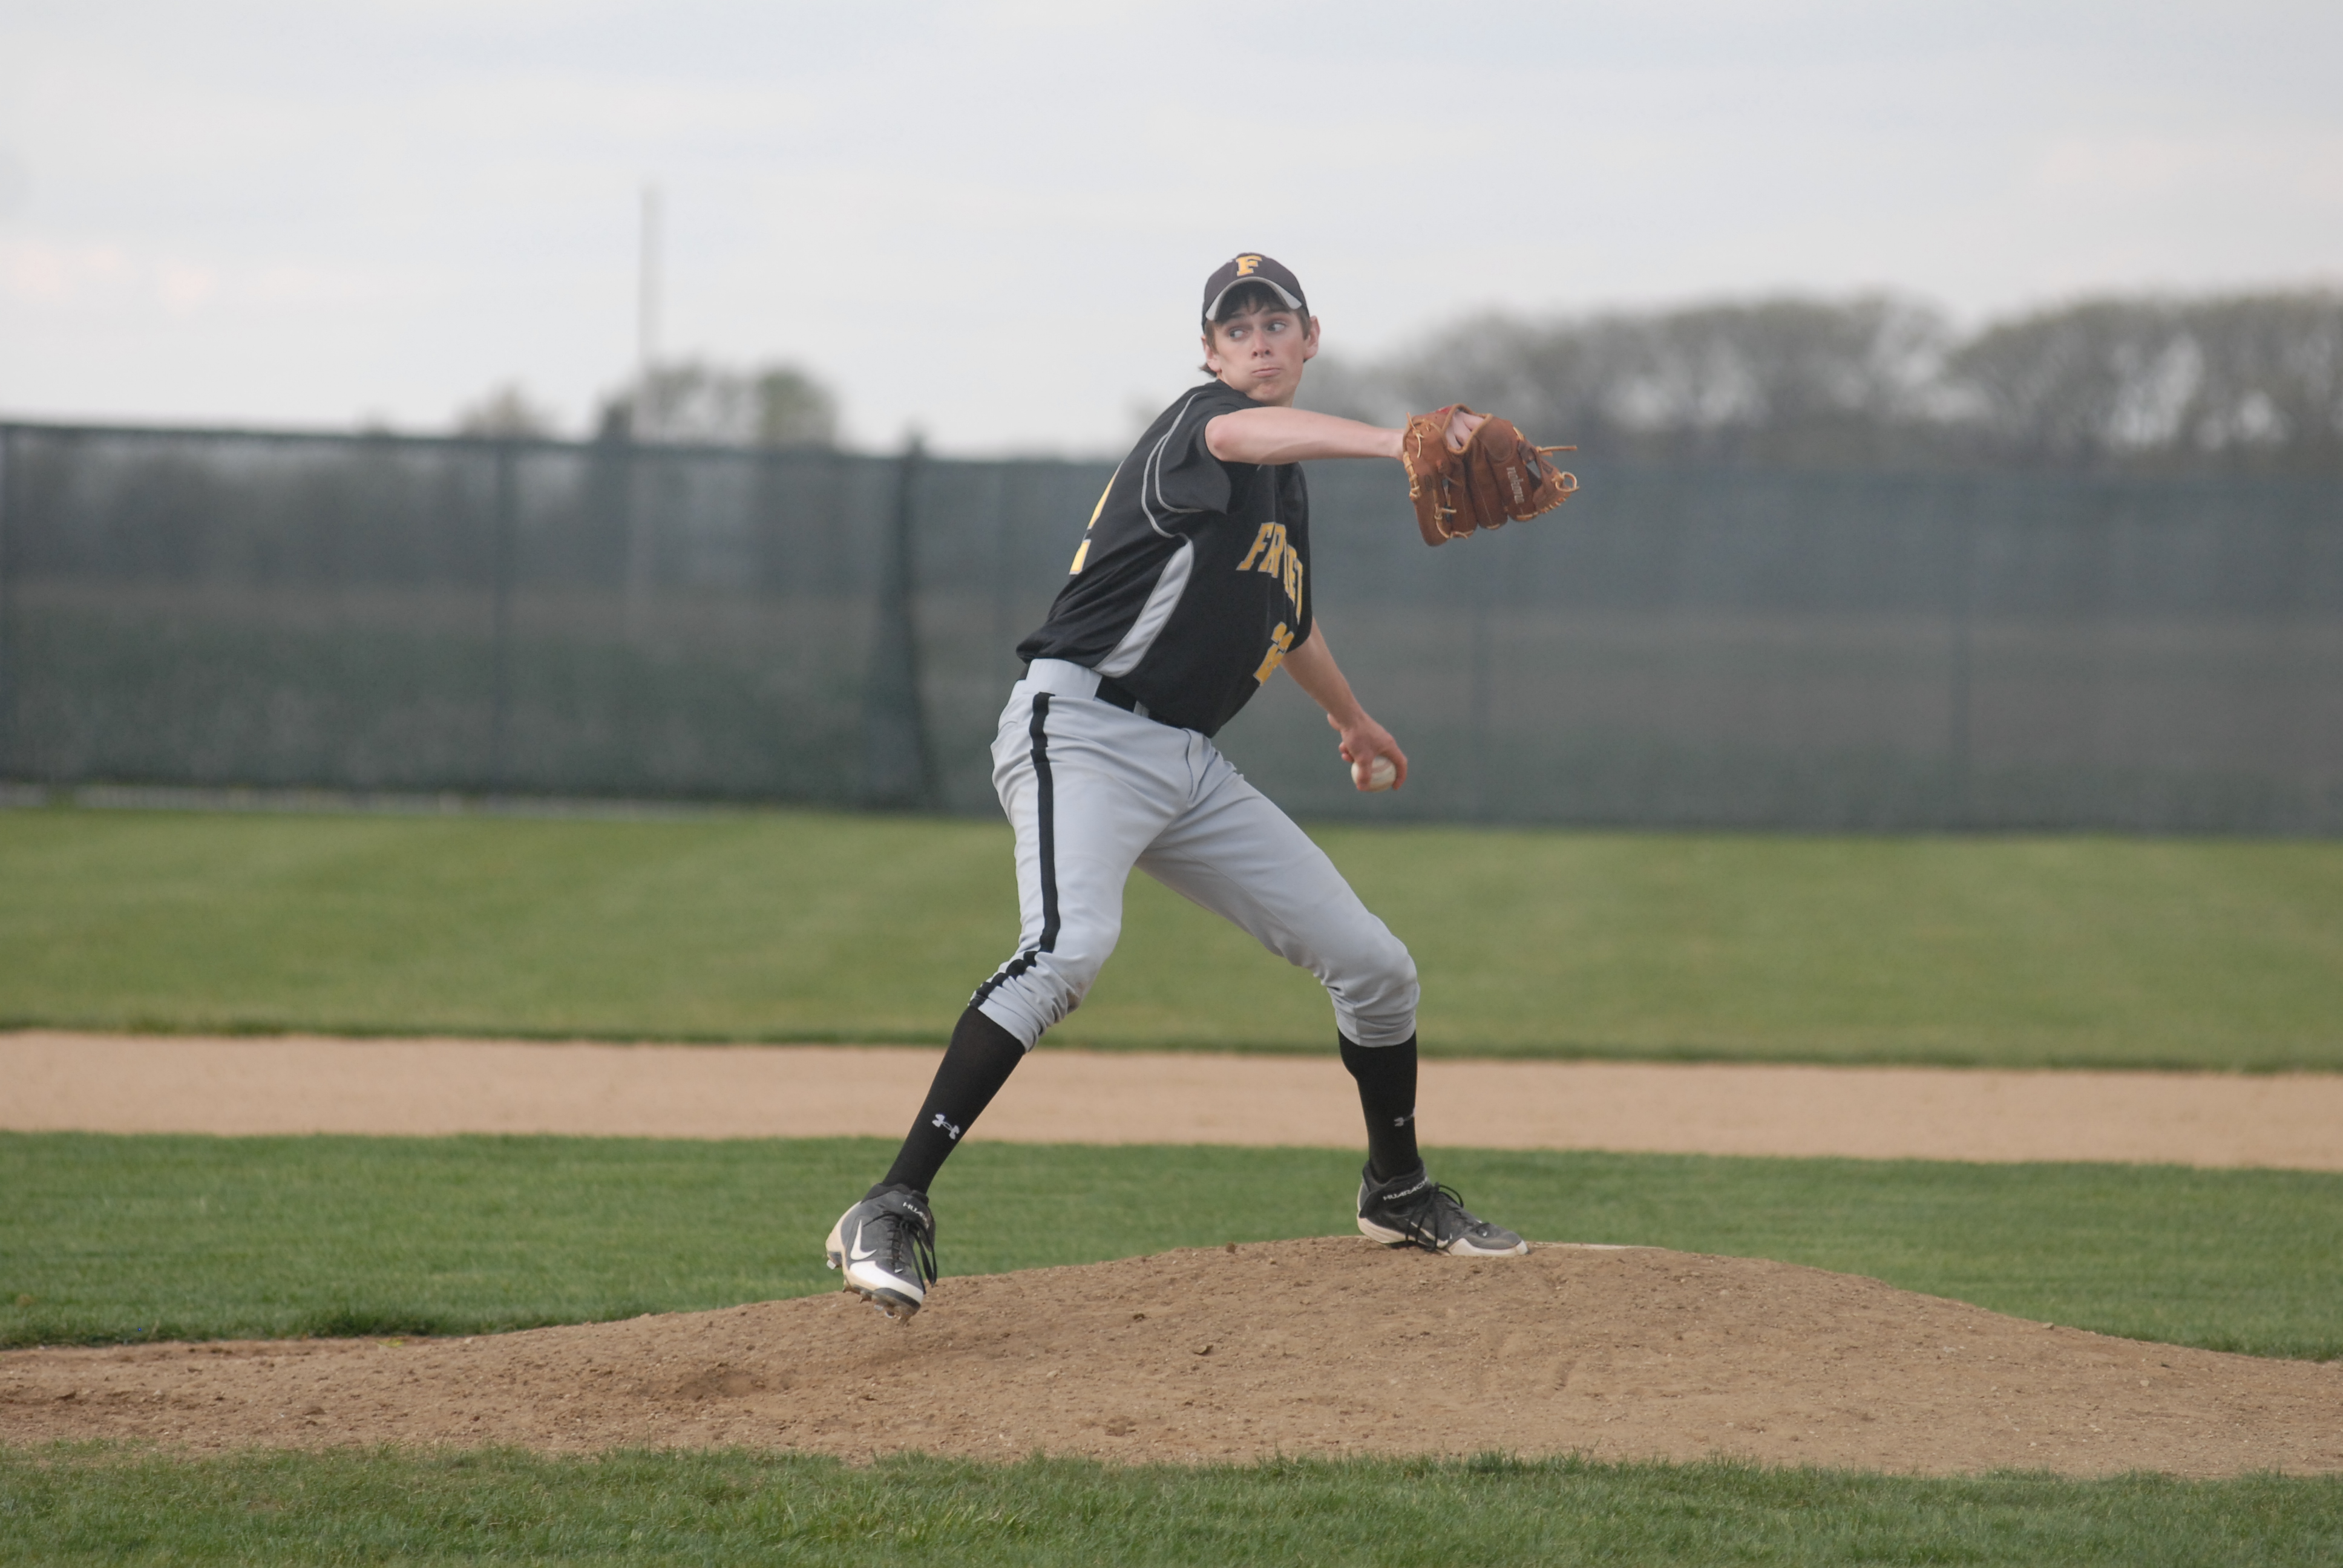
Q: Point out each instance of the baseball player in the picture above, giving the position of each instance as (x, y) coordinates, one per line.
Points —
(1189, 589)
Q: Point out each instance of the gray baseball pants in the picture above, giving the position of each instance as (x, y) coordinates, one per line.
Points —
(1093, 791)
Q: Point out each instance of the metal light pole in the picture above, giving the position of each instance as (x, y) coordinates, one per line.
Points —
(647, 301)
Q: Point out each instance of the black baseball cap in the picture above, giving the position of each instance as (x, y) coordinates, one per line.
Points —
(1251, 266)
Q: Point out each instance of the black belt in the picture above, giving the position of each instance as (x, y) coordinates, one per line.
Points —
(1114, 694)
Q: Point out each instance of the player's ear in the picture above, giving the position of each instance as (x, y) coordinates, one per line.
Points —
(1212, 355)
(1310, 340)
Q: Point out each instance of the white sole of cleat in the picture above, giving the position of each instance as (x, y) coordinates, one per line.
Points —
(900, 1310)
(890, 1302)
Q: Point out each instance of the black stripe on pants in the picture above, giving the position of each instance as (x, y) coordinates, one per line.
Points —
(1045, 805)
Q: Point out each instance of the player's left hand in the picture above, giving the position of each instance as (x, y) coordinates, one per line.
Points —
(1466, 471)
(1365, 739)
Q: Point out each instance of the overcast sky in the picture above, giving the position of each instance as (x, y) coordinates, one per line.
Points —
(993, 221)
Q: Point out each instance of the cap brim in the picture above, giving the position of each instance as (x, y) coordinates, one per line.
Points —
(1213, 304)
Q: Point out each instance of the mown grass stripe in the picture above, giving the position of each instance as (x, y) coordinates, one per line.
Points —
(811, 926)
(106, 1238)
(96, 1503)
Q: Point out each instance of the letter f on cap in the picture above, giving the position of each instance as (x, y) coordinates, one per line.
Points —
(1252, 267)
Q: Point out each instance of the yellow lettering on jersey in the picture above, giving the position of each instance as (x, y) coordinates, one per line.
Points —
(1083, 554)
(1281, 643)
(1245, 264)
(1272, 553)
(1271, 534)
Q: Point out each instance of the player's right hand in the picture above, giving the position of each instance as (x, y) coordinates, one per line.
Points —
(1366, 739)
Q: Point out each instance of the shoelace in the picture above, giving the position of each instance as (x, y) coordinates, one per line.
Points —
(1425, 1211)
(908, 1246)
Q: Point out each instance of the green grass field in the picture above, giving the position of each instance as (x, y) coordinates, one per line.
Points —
(810, 926)
(106, 1505)
(796, 926)
(126, 1238)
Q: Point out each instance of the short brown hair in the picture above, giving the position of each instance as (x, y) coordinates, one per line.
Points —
(1247, 297)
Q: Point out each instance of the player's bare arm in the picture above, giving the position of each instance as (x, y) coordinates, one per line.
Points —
(1296, 436)
(1314, 670)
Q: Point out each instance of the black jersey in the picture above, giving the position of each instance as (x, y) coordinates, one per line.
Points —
(1192, 579)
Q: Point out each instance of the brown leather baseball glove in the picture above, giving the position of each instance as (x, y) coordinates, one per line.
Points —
(1497, 477)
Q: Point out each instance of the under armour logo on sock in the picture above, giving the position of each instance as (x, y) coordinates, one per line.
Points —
(949, 1131)
(1402, 1120)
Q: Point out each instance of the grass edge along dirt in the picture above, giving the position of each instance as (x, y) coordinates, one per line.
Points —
(795, 925)
(96, 1502)
(127, 1239)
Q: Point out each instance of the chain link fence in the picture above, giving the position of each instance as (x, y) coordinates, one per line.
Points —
(1679, 647)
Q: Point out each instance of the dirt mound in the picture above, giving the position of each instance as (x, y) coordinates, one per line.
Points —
(1331, 1346)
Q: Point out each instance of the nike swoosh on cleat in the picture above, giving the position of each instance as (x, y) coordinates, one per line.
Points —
(861, 1252)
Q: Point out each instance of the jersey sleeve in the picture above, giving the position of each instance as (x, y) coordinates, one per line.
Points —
(1180, 478)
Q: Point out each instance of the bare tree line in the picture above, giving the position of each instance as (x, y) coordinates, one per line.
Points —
(2244, 382)
(687, 400)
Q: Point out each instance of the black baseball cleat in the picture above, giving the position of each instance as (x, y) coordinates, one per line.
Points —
(1411, 1210)
(887, 1246)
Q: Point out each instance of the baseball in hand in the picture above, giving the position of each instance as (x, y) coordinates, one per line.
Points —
(1373, 772)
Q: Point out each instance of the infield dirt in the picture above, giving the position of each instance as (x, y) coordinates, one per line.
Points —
(1332, 1346)
(55, 1082)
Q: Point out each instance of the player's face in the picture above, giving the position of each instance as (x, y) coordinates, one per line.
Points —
(1261, 353)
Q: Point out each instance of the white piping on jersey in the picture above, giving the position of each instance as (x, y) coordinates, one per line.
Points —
(1160, 603)
(1152, 473)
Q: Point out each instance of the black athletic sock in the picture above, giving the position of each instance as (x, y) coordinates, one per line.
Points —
(976, 1064)
(1386, 1076)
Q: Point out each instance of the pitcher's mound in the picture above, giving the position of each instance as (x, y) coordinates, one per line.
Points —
(1332, 1346)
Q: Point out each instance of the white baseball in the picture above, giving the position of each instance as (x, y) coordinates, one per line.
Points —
(1375, 773)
